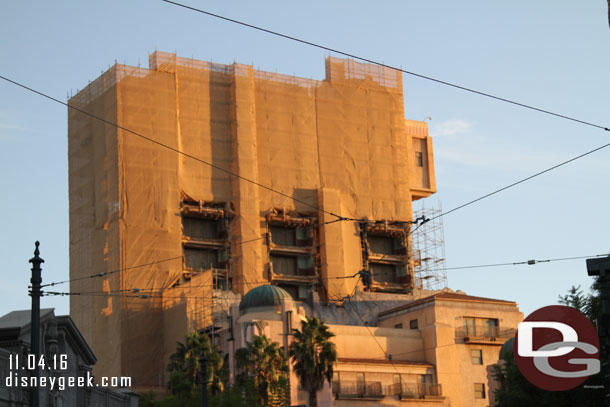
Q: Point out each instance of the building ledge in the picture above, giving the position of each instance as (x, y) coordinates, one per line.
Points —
(424, 398)
(476, 340)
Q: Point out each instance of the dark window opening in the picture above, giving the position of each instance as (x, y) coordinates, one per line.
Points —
(413, 324)
(385, 254)
(419, 158)
(383, 273)
(200, 228)
(205, 243)
(297, 292)
(283, 236)
(201, 259)
(284, 265)
(289, 322)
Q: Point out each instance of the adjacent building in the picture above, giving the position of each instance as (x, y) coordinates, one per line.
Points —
(66, 355)
(436, 350)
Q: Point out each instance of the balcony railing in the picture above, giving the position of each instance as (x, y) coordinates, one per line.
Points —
(415, 390)
(358, 389)
(490, 333)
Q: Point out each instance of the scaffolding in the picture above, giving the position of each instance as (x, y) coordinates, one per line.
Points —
(429, 251)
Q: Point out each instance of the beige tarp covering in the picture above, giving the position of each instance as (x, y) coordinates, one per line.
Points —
(338, 144)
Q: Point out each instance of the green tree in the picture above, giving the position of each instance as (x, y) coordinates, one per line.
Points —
(264, 362)
(313, 355)
(588, 304)
(183, 367)
(241, 394)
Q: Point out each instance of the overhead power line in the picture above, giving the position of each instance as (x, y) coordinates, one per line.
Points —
(360, 58)
(219, 168)
(527, 262)
(151, 293)
(237, 243)
(339, 218)
(520, 181)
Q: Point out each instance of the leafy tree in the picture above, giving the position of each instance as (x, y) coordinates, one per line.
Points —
(184, 375)
(264, 362)
(313, 355)
(148, 399)
(241, 394)
(589, 304)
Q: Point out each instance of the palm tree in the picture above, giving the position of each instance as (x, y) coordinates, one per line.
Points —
(183, 367)
(313, 355)
(265, 363)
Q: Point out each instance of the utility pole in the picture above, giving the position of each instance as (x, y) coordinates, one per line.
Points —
(35, 293)
(203, 371)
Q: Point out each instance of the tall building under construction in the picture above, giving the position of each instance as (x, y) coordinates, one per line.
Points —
(218, 179)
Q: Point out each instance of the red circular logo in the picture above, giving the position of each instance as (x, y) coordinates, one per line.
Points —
(556, 348)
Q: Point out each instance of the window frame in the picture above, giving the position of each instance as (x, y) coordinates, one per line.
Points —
(414, 324)
(479, 393)
(399, 259)
(302, 247)
(478, 356)
(220, 216)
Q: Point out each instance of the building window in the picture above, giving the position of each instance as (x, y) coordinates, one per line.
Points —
(413, 324)
(384, 246)
(360, 383)
(398, 326)
(419, 159)
(200, 228)
(491, 327)
(482, 327)
(288, 322)
(387, 273)
(477, 356)
(284, 265)
(205, 242)
(479, 390)
(292, 252)
(299, 292)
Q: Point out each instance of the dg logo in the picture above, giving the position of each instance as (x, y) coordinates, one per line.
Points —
(556, 348)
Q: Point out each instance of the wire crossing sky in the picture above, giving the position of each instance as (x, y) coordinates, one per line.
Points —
(364, 59)
(554, 57)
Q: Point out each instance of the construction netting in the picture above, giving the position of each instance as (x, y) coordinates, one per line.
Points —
(339, 145)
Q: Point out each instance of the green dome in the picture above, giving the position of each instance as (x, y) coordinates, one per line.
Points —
(263, 296)
(507, 347)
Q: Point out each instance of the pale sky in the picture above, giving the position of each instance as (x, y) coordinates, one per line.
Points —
(551, 54)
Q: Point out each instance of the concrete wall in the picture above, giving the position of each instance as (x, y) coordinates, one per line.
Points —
(437, 323)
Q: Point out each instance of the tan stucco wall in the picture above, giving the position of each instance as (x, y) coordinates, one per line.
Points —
(438, 320)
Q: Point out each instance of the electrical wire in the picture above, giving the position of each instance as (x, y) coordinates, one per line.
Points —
(339, 218)
(370, 61)
(530, 262)
(238, 243)
(216, 167)
(354, 311)
(520, 181)
(527, 262)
